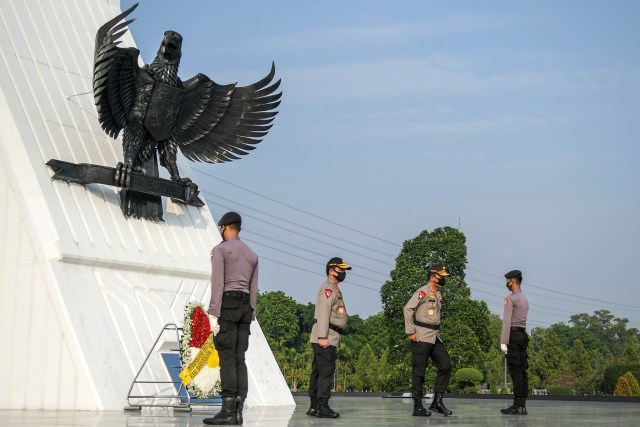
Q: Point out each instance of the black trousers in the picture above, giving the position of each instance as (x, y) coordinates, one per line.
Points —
(517, 362)
(421, 352)
(323, 367)
(232, 342)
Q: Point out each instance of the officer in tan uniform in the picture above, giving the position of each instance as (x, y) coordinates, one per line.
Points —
(514, 342)
(331, 319)
(422, 326)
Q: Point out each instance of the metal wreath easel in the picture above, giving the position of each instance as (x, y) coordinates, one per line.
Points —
(179, 399)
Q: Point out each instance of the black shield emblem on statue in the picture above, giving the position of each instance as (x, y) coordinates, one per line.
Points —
(162, 114)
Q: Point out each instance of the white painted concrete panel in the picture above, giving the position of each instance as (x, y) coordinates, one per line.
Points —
(84, 291)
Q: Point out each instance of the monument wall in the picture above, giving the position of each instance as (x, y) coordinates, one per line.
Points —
(84, 291)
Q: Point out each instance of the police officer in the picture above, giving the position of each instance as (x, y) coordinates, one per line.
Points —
(514, 341)
(234, 287)
(422, 325)
(330, 320)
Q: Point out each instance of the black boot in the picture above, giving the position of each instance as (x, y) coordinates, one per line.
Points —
(239, 407)
(518, 407)
(313, 409)
(324, 411)
(418, 409)
(438, 406)
(227, 414)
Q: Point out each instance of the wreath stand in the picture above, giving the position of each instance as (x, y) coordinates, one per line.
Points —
(173, 396)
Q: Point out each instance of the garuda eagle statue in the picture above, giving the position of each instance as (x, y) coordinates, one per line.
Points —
(160, 113)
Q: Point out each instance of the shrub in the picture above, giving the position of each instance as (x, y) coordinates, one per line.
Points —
(559, 390)
(494, 389)
(615, 371)
(467, 377)
(627, 385)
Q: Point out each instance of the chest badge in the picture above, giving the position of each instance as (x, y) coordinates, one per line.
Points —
(430, 312)
(341, 310)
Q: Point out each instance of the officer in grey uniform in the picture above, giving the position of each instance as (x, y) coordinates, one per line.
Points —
(514, 341)
(422, 325)
(234, 288)
(330, 320)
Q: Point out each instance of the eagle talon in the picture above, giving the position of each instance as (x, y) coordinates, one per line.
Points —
(140, 169)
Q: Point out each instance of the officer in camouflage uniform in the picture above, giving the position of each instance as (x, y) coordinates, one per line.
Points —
(422, 325)
(514, 341)
(330, 321)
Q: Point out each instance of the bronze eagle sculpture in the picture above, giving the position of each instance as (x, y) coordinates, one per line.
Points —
(160, 113)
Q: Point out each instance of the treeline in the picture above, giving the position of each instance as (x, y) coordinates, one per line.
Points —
(586, 356)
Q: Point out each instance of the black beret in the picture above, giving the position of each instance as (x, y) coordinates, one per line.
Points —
(513, 274)
(230, 218)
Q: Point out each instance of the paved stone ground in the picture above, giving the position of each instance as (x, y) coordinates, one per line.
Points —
(354, 411)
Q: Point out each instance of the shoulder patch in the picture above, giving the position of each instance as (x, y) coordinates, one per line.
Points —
(328, 292)
(506, 300)
(421, 295)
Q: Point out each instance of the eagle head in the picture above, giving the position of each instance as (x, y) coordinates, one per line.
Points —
(170, 50)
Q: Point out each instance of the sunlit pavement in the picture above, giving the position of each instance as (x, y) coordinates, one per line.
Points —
(354, 411)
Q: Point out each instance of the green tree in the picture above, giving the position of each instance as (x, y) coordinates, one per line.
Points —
(611, 330)
(462, 344)
(276, 313)
(376, 331)
(383, 370)
(596, 348)
(367, 374)
(475, 314)
(579, 361)
(630, 353)
(494, 367)
(551, 360)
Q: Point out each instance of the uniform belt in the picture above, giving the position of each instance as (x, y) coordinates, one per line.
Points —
(338, 329)
(515, 328)
(237, 294)
(426, 325)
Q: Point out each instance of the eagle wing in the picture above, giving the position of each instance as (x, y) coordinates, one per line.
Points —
(218, 123)
(114, 75)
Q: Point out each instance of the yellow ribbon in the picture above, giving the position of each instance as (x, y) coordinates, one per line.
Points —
(208, 354)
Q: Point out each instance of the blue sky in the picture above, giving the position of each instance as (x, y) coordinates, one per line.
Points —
(517, 121)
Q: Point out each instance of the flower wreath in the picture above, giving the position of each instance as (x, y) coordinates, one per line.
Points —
(198, 355)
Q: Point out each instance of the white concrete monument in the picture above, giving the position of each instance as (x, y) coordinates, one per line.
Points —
(84, 292)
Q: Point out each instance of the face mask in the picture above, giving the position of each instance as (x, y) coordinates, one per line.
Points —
(509, 285)
(442, 281)
(341, 276)
(221, 230)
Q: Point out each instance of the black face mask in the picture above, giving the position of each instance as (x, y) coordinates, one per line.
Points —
(341, 276)
(509, 285)
(441, 281)
(221, 230)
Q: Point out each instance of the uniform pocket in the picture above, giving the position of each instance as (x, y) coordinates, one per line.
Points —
(222, 340)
